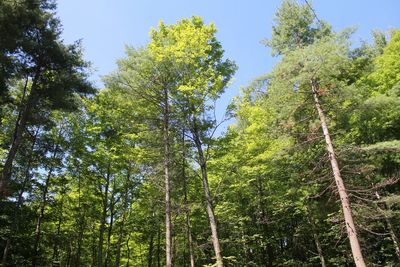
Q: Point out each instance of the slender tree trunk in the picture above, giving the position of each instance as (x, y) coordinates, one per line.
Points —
(319, 249)
(80, 224)
(5, 176)
(151, 250)
(41, 215)
(316, 239)
(208, 197)
(159, 246)
(110, 228)
(103, 220)
(15, 226)
(120, 236)
(56, 244)
(39, 222)
(190, 239)
(187, 210)
(121, 228)
(348, 216)
(6, 250)
(268, 256)
(168, 224)
(68, 259)
(94, 248)
(128, 251)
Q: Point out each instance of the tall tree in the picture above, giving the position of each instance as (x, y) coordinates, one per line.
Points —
(313, 58)
(53, 73)
(202, 74)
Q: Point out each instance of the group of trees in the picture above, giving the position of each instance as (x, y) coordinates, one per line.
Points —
(134, 174)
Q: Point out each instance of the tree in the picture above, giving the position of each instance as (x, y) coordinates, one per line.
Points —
(314, 62)
(191, 47)
(52, 71)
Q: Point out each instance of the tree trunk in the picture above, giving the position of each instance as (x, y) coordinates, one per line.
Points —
(267, 255)
(110, 228)
(128, 249)
(20, 126)
(168, 224)
(15, 226)
(120, 236)
(151, 250)
(316, 239)
(41, 215)
(185, 200)
(121, 229)
(159, 246)
(103, 220)
(207, 193)
(80, 223)
(56, 243)
(348, 216)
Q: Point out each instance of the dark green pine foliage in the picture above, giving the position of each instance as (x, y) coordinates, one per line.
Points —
(52, 74)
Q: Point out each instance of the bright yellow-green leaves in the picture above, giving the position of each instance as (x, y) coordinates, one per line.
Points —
(190, 48)
(387, 72)
(183, 42)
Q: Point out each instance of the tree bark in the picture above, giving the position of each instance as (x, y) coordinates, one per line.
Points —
(347, 212)
(56, 243)
(128, 249)
(110, 228)
(121, 229)
(185, 200)
(103, 219)
(15, 226)
(42, 208)
(208, 197)
(168, 224)
(159, 245)
(80, 223)
(20, 126)
(316, 239)
(151, 250)
(267, 255)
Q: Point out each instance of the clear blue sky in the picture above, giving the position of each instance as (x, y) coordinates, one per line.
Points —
(106, 26)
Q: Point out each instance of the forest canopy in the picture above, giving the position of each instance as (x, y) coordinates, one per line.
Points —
(137, 173)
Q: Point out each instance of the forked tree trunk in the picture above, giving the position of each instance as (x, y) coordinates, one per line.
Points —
(208, 197)
(168, 224)
(348, 216)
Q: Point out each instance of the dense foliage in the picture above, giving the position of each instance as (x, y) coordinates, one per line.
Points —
(134, 174)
